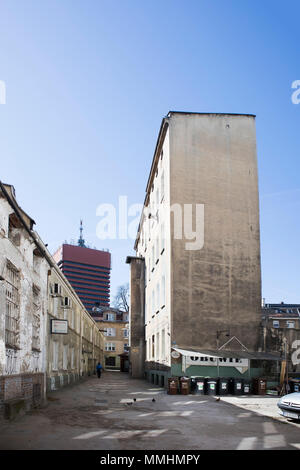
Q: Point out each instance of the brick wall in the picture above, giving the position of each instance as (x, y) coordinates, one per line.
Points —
(28, 387)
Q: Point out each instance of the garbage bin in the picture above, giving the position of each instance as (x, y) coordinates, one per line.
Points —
(211, 386)
(193, 385)
(259, 386)
(295, 385)
(223, 386)
(235, 386)
(247, 387)
(173, 384)
(200, 386)
(185, 385)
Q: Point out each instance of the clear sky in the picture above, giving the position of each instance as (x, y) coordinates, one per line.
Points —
(88, 82)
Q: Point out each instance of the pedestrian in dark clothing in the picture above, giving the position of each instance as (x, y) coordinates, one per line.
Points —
(99, 370)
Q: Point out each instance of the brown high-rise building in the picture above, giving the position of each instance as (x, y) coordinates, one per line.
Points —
(88, 271)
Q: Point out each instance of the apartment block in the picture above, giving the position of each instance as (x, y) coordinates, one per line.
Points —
(113, 323)
(199, 288)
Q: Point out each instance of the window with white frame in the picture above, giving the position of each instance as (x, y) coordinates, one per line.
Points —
(126, 347)
(275, 323)
(290, 324)
(110, 346)
(157, 346)
(12, 314)
(110, 317)
(109, 332)
(57, 289)
(66, 302)
(125, 333)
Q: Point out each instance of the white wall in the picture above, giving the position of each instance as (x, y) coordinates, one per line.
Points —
(157, 319)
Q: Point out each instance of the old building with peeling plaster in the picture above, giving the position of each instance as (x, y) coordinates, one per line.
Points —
(34, 356)
(23, 300)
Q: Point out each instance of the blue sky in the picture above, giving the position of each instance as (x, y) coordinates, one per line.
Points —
(88, 82)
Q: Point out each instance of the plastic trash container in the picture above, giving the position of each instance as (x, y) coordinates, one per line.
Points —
(247, 387)
(200, 386)
(294, 385)
(173, 383)
(235, 386)
(259, 386)
(185, 385)
(223, 386)
(211, 386)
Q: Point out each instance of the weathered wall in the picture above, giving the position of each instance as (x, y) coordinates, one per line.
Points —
(78, 351)
(285, 341)
(21, 362)
(137, 317)
(213, 162)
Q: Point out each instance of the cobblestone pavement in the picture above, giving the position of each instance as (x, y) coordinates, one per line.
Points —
(117, 412)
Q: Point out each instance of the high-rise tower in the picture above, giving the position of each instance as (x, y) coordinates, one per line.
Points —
(87, 270)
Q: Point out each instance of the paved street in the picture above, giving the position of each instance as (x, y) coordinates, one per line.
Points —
(101, 414)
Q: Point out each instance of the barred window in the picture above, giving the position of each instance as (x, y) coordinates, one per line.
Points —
(36, 318)
(110, 361)
(12, 316)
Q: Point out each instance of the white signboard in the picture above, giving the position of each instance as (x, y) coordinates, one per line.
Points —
(240, 364)
(59, 326)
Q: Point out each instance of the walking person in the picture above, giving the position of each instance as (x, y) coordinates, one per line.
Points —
(99, 370)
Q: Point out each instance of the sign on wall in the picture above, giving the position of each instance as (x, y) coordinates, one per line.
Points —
(240, 364)
(59, 327)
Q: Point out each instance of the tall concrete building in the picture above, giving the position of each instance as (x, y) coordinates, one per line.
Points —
(196, 277)
(87, 270)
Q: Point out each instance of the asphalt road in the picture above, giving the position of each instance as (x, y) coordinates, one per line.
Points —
(100, 414)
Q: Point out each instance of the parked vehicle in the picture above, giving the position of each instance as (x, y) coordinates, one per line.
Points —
(289, 405)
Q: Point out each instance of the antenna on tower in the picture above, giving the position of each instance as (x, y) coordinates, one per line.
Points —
(81, 240)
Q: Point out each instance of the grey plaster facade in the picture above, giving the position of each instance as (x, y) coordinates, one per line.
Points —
(197, 290)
